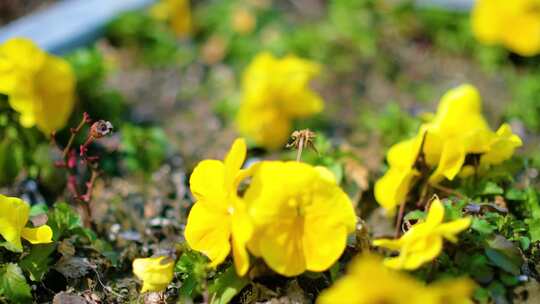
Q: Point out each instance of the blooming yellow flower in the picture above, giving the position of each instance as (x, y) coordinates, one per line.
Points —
(423, 242)
(369, 281)
(13, 220)
(40, 86)
(456, 130)
(156, 273)
(177, 13)
(219, 219)
(514, 24)
(301, 217)
(274, 92)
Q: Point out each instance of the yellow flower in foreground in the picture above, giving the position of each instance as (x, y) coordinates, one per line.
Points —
(40, 86)
(13, 220)
(301, 217)
(156, 273)
(274, 92)
(424, 241)
(219, 218)
(177, 13)
(457, 130)
(514, 24)
(368, 281)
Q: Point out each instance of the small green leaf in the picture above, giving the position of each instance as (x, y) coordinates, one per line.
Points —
(37, 262)
(225, 286)
(514, 194)
(62, 219)
(482, 226)
(38, 209)
(534, 229)
(13, 284)
(192, 268)
(490, 188)
(415, 215)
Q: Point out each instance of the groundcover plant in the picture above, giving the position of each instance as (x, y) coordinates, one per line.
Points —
(258, 151)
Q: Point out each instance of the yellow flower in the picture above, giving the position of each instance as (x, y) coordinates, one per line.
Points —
(369, 281)
(392, 189)
(274, 92)
(423, 242)
(177, 13)
(13, 220)
(456, 130)
(301, 217)
(156, 273)
(514, 24)
(454, 291)
(219, 219)
(40, 89)
(243, 21)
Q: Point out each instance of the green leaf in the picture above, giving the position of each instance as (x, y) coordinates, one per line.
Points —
(514, 194)
(534, 229)
(63, 219)
(482, 226)
(532, 201)
(490, 188)
(37, 262)
(415, 215)
(13, 284)
(504, 254)
(38, 209)
(225, 286)
(192, 268)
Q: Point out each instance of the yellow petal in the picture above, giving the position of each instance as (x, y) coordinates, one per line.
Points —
(388, 243)
(13, 218)
(207, 182)
(326, 226)
(435, 214)
(412, 260)
(451, 229)
(156, 273)
(242, 230)
(502, 146)
(486, 25)
(40, 235)
(234, 160)
(452, 159)
(523, 37)
(392, 189)
(281, 247)
(209, 230)
(55, 94)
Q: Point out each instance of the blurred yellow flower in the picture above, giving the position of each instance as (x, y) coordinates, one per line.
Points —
(423, 242)
(219, 219)
(368, 281)
(514, 24)
(301, 217)
(40, 86)
(456, 130)
(274, 92)
(156, 273)
(13, 220)
(243, 21)
(177, 13)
